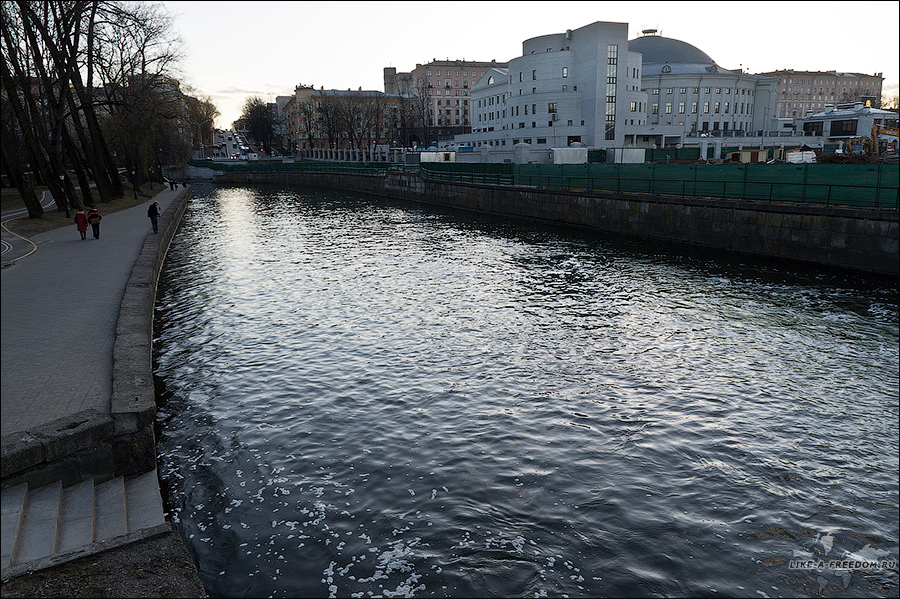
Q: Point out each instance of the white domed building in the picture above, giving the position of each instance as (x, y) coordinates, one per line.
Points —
(592, 87)
(690, 97)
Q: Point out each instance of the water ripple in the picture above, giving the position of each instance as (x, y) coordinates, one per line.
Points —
(367, 398)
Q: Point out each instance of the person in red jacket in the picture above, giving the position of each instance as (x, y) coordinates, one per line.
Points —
(81, 222)
(94, 218)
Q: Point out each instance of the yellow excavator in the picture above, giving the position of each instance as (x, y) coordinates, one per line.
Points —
(882, 143)
(885, 140)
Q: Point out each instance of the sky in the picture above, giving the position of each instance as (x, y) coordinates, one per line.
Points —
(236, 50)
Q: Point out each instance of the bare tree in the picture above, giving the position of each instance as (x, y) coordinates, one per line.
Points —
(259, 120)
(53, 52)
(425, 111)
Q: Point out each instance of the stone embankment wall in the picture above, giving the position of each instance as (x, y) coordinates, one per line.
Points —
(860, 239)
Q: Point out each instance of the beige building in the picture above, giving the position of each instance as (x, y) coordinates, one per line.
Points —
(800, 92)
(445, 87)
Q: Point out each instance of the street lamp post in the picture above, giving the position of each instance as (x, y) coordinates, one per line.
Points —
(62, 183)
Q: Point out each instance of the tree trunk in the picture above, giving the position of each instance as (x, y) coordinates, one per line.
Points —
(22, 183)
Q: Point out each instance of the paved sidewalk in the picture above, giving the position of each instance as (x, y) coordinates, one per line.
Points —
(60, 306)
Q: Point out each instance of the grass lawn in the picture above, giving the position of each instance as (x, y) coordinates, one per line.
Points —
(54, 218)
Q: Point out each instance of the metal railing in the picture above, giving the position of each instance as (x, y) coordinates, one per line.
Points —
(827, 185)
(869, 196)
(359, 168)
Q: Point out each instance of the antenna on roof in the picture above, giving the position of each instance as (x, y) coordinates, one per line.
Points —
(653, 31)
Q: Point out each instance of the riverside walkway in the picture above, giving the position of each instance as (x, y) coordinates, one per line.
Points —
(60, 305)
(76, 374)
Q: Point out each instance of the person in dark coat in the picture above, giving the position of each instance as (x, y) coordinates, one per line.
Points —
(94, 217)
(81, 222)
(153, 213)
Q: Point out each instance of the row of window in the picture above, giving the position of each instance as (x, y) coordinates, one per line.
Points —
(706, 90)
(565, 74)
(822, 91)
(437, 73)
(449, 92)
(716, 106)
(827, 82)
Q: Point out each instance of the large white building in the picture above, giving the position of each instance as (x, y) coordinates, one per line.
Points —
(691, 97)
(566, 88)
(594, 87)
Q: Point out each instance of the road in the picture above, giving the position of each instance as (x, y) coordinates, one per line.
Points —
(12, 246)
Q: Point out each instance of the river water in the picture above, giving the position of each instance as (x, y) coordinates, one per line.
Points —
(362, 397)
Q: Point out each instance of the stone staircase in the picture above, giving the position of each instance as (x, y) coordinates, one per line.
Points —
(51, 525)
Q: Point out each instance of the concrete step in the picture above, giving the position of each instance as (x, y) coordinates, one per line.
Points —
(144, 507)
(51, 524)
(77, 526)
(109, 510)
(38, 534)
(13, 508)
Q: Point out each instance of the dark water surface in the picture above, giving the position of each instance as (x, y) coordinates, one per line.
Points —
(367, 398)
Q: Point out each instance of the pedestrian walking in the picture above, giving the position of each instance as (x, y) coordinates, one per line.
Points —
(153, 213)
(81, 222)
(172, 184)
(94, 217)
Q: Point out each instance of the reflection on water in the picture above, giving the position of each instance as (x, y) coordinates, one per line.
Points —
(366, 398)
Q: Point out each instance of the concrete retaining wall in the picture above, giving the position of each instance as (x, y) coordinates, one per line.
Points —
(101, 446)
(861, 239)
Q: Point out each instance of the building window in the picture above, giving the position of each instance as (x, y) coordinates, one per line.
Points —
(681, 108)
(668, 108)
(534, 75)
(705, 90)
(718, 90)
(669, 90)
(634, 107)
(542, 140)
(565, 72)
(706, 107)
(717, 107)
(683, 90)
(654, 109)
(551, 107)
(655, 92)
(612, 59)
(847, 127)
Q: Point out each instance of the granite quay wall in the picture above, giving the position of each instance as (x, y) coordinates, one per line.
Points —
(859, 239)
(92, 444)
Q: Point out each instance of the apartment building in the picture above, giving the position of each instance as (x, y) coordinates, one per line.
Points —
(343, 119)
(445, 88)
(800, 92)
